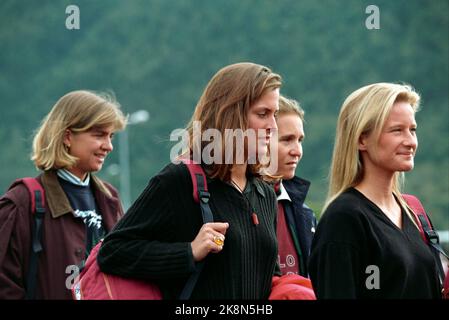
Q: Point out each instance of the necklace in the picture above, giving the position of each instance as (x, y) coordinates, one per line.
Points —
(253, 212)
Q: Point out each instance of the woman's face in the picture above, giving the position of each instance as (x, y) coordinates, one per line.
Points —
(262, 120)
(90, 147)
(289, 147)
(395, 150)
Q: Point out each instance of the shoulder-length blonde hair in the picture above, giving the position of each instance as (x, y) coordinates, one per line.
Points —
(78, 111)
(224, 104)
(364, 112)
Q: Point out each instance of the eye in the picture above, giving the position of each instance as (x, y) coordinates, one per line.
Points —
(262, 114)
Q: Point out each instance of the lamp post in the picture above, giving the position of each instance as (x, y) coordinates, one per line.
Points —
(125, 178)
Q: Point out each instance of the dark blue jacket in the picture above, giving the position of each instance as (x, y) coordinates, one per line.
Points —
(300, 219)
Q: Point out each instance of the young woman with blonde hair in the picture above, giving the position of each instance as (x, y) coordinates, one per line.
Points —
(72, 142)
(367, 244)
(162, 237)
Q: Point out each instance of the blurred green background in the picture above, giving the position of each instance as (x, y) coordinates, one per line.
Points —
(158, 55)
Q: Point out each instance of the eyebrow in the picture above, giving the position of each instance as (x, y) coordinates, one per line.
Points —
(289, 136)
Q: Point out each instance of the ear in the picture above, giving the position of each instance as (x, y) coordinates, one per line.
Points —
(67, 138)
(363, 142)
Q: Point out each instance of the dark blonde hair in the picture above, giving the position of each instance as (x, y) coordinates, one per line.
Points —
(290, 106)
(78, 111)
(225, 102)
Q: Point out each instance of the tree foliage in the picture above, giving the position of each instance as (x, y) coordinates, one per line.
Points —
(158, 55)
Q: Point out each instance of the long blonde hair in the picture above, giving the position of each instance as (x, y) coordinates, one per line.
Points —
(364, 112)
(224, 104)
(78, 111)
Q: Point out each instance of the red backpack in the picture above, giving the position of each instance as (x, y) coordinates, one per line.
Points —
(92, 284)
(430, 236)
(37, 208)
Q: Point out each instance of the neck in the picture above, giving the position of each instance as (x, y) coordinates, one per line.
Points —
(238, 175)
(378, 187)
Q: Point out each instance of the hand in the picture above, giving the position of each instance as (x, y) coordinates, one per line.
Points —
(204, 243)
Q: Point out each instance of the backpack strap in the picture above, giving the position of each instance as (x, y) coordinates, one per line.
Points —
(428, 233)
(37, 197)
(201, 196)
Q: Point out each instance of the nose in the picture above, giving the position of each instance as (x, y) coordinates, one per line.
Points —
(411, 140)
(107, 144)
(296, 150)
(271, 124)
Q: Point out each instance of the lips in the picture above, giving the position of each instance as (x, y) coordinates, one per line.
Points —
(101, 157)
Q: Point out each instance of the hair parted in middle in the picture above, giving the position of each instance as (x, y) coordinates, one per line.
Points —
(364, 111)
(224, 104)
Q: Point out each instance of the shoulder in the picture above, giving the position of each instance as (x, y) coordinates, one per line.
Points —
(16, 201)
(104, 187)
(345, 218)
(296, 182)
(297, 189)
(264, 188)
(17, 193)
(173, 172)
(349, 203)
(173, 178)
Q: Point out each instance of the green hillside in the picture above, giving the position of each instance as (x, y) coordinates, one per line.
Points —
(158, 55)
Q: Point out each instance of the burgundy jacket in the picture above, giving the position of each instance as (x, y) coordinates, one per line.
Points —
(63, 237)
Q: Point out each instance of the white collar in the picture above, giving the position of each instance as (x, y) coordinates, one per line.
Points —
(284, 195)
(70, 177)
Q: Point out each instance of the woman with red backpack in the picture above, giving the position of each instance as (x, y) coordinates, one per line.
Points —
(367, 243)
(162, 237)
(49, 224)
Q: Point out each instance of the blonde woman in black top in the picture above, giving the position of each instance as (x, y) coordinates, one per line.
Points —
(367, 244)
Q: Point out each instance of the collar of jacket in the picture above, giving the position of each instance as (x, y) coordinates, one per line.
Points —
(297, 189)
(57, 201)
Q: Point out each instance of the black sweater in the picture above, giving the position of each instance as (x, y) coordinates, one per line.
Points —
(153, 240)
(354, 234)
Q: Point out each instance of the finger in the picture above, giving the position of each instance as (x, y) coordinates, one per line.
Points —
(220, 227)
(218, 239)
(216, 248)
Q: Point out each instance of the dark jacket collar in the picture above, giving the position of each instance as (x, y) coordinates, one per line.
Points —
(56, 198)
(297, 189)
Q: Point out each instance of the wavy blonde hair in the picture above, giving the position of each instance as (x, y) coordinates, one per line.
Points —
(224, 104)
(78, 111)
(364, 112)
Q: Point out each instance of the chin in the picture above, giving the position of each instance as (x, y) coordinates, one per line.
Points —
(406, 168)
(287, 175)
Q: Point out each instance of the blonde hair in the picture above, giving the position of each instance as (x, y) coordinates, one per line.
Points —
(224, 104)
(364, 112)
(78, 111)
(290, 106)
